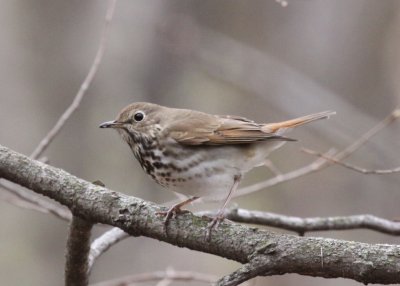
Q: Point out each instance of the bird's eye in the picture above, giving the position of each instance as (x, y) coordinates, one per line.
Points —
(139, 116)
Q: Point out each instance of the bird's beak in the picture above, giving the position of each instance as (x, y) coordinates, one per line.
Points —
(111, 124)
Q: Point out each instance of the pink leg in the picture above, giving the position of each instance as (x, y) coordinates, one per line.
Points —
(220, 214)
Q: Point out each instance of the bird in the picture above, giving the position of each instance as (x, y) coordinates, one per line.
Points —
(196, 154)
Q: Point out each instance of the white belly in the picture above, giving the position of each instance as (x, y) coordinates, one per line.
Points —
(209, 171)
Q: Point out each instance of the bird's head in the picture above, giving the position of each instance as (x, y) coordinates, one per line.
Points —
(136, 121)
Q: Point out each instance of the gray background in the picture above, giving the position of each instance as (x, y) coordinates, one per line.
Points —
(250, 58)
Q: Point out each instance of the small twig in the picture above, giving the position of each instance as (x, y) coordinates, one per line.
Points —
(103, 243)
(78, 246)
(393, 116)
(246, 272)
(11, 198)
(32, 199)
(185, 276)
(167, 280)
(29, 200)
(322, 163)
(83, 88)
(313, 167)
(302, 225)
(352, 167)
(272, 168)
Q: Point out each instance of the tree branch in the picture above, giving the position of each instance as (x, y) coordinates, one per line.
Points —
(292, 175)
(352, 167)
(303, 225)
(78, 246)
(29, 200)
(104, 242)
(246, 272)
(323, 162)
(292, 223)
(362, 262)
(83, 88)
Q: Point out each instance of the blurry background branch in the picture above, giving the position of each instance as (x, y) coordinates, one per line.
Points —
(392, 117)
(83, 88)
(352, 167)
(326, 159)
(26, 199)
(31, 200)
(170, 274)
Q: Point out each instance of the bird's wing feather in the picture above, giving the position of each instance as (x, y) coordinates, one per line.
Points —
(208, 129)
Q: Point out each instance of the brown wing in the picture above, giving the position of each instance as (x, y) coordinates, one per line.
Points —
(196, 128)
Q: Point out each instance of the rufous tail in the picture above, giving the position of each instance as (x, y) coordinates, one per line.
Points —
(275, 127)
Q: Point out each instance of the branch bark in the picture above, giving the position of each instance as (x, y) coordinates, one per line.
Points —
(274, 254)
(103, 243)
(303, 225)
(78, 246)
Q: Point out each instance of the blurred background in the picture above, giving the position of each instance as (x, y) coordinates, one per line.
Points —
(251, 58)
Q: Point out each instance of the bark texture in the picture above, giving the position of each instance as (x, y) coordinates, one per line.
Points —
(78, 247)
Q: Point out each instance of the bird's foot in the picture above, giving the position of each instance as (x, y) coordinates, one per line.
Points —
(213, 224)
(173, 211)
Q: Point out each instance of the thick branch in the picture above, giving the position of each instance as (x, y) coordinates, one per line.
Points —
(281, 254)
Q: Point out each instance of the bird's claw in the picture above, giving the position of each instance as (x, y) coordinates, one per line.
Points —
(172, 212)
(213, 224)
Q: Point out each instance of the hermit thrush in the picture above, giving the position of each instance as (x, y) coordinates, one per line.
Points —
(197, 154)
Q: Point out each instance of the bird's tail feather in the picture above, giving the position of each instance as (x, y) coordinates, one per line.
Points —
(275, 127)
